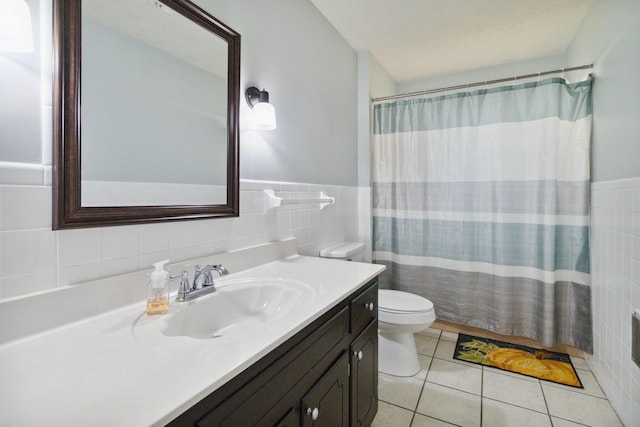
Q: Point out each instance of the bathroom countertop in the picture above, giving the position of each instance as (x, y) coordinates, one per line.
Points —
(97, 372)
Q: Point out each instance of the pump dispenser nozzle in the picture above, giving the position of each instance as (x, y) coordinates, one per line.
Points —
(159, 275)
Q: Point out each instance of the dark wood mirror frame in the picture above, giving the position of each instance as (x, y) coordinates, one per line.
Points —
(68, 211)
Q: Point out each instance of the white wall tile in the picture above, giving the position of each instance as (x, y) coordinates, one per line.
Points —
(25, 207)
(27, 283)
(209, 228)
(145, 260)
(113, 267)
(31, 250)
(246, 241)
(21, 174)
(118, 242)
(615, 259)
(48, 176)
(189, 252)
(183, 234)
(251, 202)
(79, 246)
(80, 273)
(153, 237)
(219, 230)
(27, 251)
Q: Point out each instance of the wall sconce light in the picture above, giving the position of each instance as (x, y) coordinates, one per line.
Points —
(16, 34)
(264, 114)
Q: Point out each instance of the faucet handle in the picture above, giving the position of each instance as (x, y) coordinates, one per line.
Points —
(185, 287)
(208, 279)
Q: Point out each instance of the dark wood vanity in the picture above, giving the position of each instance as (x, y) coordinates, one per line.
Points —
(325, 375)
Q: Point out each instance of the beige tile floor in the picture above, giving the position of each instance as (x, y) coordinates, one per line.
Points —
(448, 392)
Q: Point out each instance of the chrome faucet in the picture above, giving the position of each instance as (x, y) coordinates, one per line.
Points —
(202, 282)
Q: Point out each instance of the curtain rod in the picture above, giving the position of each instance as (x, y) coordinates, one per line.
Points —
(489, 82)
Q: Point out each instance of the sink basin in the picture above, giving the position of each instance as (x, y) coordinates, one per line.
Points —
(239, 307)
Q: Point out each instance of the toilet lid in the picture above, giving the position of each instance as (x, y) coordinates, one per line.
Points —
(402, 302)
(342, 250)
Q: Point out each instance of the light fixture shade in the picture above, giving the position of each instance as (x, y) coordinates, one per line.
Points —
(264, 116)
(16, 34)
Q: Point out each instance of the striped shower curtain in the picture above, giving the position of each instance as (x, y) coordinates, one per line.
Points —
(481, 204)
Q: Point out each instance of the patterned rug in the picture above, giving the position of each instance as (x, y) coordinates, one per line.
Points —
(532, 362)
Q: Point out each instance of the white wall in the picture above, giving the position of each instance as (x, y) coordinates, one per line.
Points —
(373, 81)
(310, 72)
(380, 82)
(609, 37)
(289, 49)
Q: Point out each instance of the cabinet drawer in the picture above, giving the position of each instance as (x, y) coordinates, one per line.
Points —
(364, 308)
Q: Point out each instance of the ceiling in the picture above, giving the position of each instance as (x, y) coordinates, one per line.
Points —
(417, 39)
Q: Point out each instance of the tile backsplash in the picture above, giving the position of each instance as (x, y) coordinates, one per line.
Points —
(34, 258)
(615, 264)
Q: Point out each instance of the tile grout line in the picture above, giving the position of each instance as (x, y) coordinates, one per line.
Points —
(439, 340)
(517, 406)
(424, 382)
(481, 391)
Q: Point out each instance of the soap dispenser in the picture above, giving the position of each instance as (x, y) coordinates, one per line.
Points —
(158, 299)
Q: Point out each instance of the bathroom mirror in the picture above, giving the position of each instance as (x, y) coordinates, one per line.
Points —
(146, 107)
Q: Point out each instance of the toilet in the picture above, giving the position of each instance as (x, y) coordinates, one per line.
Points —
(400, 315)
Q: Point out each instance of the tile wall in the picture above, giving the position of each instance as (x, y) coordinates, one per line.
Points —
(34, 258)
(615, 264)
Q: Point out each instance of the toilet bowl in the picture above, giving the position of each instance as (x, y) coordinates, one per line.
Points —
(400, 315)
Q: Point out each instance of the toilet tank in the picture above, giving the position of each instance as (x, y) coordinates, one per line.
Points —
(349, 251)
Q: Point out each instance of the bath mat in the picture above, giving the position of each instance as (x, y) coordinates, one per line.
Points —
(532, 362)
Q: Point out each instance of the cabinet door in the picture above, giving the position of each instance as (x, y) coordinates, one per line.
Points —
(364, 377)
(292, 419)
(327, 403)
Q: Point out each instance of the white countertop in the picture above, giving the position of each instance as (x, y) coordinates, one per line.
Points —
(98, 372)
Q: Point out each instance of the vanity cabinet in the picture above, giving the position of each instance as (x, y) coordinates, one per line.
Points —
(325, 375)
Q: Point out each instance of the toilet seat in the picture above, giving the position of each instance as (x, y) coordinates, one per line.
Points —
(402, 308)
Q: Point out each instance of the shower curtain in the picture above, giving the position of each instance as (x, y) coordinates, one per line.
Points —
(481, 204)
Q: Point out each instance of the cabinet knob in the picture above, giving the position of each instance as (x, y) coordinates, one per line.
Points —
(369, 306)
(314, 412)
(358, 354)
